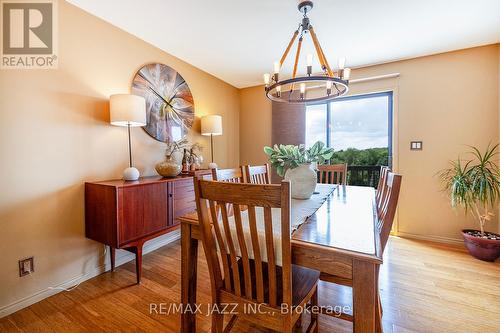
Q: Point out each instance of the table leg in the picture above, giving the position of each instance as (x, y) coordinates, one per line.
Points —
(112, 257)
(189, 262)
(364, 294)
(138, 262)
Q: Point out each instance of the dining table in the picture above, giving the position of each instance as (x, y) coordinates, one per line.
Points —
(340, 239)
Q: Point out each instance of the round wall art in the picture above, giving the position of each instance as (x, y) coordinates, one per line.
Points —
(169, 103)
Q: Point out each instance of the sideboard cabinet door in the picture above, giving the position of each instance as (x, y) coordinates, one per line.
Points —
(184, 199)
(144, 211)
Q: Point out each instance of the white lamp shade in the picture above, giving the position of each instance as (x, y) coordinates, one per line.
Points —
(127, 109)
(211, 125)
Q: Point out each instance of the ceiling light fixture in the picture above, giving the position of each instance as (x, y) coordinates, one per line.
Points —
(295, 89)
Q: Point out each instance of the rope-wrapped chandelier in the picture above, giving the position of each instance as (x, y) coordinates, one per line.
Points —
(311, 87)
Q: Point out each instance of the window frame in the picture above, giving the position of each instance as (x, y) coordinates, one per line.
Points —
(390, 97)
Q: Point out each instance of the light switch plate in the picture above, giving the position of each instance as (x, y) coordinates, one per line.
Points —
(416, 145)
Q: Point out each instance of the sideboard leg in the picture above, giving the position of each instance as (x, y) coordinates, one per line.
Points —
(112, 256)
(138, 262)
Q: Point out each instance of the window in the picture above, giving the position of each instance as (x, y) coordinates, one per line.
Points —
(355, 126)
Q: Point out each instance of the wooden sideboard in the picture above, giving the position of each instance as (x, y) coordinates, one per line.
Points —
(125, 214)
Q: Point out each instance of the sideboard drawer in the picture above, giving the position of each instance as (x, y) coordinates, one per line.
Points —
(184, 199)
(145, 211)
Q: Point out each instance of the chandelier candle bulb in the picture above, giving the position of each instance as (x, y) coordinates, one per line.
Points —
(341, 63)
(276, 67)
(347, 74)
(276, 70)
(278, 91)
(309, 60)
(302, 90)
(328, 88)
(267, 79)
(341, 67)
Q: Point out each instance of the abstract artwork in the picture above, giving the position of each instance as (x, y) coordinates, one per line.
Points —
(169, 102)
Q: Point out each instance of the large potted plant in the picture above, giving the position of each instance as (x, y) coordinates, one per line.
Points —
(296, 164)
(474, 185)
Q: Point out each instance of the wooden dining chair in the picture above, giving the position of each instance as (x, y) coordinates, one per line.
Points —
(241, 271)
(385, 217)
(257, 174)
(234, 175)
(388, 205)
(332, 174)
(381, 183)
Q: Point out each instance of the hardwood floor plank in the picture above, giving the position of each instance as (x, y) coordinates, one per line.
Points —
(425, 288)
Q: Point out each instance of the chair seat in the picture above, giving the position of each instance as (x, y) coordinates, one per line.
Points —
(303, 281)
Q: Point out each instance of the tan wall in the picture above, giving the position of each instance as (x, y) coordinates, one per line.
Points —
(54, 136)
(446, 100)
(255, 125)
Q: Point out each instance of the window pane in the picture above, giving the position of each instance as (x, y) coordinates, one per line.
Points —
(315, 124)
(360, 123)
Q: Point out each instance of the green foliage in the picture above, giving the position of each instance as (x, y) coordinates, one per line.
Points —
(353, 156)
(284, 157)
(474, 184)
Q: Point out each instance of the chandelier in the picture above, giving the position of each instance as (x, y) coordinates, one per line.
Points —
(311, 87)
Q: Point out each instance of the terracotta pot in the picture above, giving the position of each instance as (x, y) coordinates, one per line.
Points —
(482, 248)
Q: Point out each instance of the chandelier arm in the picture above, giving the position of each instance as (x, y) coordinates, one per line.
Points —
(297, 55)
(285, 54)
(328, 68)
(319, 51)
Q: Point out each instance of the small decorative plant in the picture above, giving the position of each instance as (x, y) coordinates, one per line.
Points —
(284, 157)
(176, 146)
(475, 185)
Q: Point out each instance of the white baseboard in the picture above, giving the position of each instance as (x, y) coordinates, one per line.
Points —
(122, 257)
(437, 239)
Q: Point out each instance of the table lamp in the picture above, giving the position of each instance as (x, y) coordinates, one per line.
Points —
(211, 125)
(130, 111)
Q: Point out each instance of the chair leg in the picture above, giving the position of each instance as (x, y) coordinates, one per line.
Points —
(298, 324)
(217, 322)
(314, 314)
(287, 326)
(381, 310)
(112, 257)
(230, 324)
(378, 316)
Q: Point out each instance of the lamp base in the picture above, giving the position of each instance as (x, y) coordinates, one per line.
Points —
(212, 165)
(131, 174)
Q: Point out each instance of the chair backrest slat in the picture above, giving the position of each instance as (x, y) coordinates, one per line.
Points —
(232, 250)
(242, 272)
(271, 263)
(259, 278)
(243, 250)
(234, 175)
(332, 174)
(257, 174)
(388, 205)
(380, 187)
(222, 245)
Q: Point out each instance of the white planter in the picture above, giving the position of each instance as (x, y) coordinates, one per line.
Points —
(303, 181)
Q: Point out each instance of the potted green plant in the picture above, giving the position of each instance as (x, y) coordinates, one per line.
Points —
(295, 163)
(474, 185)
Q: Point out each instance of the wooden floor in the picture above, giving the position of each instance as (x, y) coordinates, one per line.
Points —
(424, 287)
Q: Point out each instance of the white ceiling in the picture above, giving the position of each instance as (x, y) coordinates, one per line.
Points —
(238, 40)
